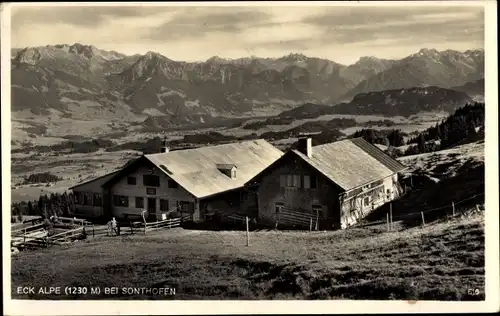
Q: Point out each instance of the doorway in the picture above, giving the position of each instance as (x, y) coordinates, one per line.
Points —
(151, 208)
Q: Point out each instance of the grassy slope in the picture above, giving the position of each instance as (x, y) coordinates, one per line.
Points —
(438, 262)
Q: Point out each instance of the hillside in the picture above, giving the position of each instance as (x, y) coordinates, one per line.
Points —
(389, 103)
(474, 88)
(368, 263)
(404, 102)
(84, 82)
(438, 179)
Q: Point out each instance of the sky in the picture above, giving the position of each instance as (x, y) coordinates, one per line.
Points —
(342, 33)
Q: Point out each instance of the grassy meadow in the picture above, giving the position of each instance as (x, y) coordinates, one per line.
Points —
(441, 261)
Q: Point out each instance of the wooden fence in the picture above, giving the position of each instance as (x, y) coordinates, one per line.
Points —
(40, 237)
(167, 223)
(25, 230)
(289, 217)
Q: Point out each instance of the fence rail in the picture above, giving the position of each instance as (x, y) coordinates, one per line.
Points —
(29, 229)
(296, 218)
(452, 211)
(167, 223)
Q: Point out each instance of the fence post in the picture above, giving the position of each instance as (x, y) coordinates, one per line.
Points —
(453, 207)
(317, 220)
(248, 234)
(390, 210)
(388, 227)
(145, 228)
(310, 223)
(24, 235)
(423, 220)
(93, 231)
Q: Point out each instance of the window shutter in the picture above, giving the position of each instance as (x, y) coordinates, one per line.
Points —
(307, 182)
(282, 180)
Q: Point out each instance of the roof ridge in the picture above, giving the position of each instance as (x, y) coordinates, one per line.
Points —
(212, 146)
(335, 142)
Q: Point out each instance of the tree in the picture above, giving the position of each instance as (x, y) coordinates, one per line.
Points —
(65, 204)
(395, 138)
(41, 206)
(421, 144)
(30, 208)
(471, 129)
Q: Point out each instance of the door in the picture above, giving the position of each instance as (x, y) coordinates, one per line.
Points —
(151, 208)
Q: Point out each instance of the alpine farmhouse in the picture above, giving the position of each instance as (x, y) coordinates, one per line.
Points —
(203, 181)
(330, 186)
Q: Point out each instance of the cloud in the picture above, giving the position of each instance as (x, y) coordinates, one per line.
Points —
(420, 24)
(199, 22)
(81, 16)
(197, 32)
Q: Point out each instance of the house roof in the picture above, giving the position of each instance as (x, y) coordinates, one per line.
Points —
(378, 154)
(196, 170)
(99, 181)
(351, 163)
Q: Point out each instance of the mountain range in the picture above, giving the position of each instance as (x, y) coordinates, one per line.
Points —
(84, 82)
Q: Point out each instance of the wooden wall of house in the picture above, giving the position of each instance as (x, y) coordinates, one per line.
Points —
(238, 201)
(361, 201)
(92, 194)
(174, 196)
(271, 192)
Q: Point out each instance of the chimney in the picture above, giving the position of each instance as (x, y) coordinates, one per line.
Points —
(305, 146)
(164, 148)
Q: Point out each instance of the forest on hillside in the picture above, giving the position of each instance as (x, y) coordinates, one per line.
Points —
(46, 206)
(465, 124)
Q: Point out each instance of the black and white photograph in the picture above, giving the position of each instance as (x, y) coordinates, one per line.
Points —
(334, 152)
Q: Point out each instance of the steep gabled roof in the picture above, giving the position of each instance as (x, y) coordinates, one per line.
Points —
(351, 163)
(196, 170)
(378, 154)
(99, 181)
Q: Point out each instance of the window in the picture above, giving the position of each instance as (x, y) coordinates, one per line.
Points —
(366, 201)
(314, 181)
(131, 180)
(186, 207)
(119, 200)
(290, 180)
(139, 202)
(163, 205)
(172, 184)
(86, 199)
(77, 197)
(97, 199)
(151, 180)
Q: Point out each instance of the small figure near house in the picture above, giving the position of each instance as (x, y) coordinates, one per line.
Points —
(112, 227)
